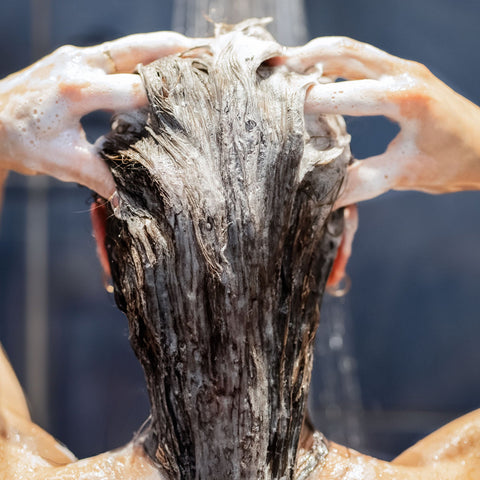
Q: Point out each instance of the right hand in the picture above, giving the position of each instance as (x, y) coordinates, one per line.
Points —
(41, 106)
(438, 147)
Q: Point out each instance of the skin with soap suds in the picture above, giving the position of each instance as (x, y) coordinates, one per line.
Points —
(41, 106)
(438, 147)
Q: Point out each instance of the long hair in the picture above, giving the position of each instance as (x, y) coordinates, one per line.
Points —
(220, 248)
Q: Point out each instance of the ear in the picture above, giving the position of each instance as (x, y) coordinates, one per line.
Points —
(344, 251)
(98, 213)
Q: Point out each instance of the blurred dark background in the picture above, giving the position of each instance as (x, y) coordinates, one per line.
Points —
(397, 357)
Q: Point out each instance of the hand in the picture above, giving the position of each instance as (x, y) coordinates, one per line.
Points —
(438, 147)
(41, 106)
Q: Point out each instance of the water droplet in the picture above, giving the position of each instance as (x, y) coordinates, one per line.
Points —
(335, 342)
(347, 364)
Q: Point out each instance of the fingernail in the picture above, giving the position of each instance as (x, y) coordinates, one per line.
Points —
(114, 200)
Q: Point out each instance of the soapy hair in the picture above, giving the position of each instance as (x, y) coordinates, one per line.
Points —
(220, 248)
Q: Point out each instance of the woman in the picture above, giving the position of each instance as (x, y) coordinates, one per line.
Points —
(437, 150)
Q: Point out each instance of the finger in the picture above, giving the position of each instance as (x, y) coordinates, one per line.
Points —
(93, 172)
(106, 92)
(84, 166)
(343, 57)
(368, 178)
(124, 54)
(356, 97)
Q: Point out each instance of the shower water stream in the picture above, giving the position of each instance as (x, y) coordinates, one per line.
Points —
(194, 17)
(335, 399)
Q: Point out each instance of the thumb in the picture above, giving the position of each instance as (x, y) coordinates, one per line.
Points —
(367, 179)
(89, 169)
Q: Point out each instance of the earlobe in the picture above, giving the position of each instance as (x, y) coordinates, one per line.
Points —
(98, 214)
(337, 274)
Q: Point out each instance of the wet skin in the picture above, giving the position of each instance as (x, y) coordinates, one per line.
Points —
(28, 452)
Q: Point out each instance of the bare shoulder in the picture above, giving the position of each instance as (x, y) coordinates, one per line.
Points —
(458, 441)
(449, 453)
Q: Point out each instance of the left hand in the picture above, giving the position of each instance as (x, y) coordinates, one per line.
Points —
(438, 147)
(41, 106)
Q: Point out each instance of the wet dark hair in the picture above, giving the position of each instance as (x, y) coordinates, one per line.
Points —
(220, 249)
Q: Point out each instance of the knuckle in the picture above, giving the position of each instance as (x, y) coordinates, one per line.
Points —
(419, 69)
(347, 44)
(66, 51)
(104, 47)
(345, 41)
(413, 100)
(68, 54)
(338, 45)
(174, 37)
(408, 87)
(74, 91)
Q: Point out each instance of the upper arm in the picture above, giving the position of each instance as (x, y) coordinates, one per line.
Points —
(11, 393)
(3, 178)
(458, 441)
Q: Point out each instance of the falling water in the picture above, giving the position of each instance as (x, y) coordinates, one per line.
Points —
(335, 400)
(335, 396)
(194, 17)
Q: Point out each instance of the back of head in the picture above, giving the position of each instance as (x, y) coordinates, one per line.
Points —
(220, 249)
